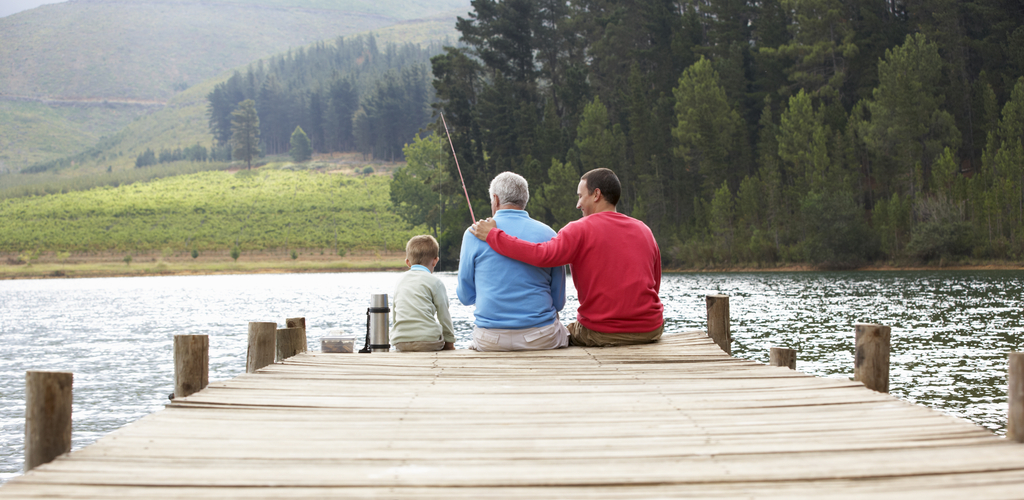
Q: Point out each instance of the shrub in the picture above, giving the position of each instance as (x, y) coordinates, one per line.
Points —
(941, 232)
(837, 233)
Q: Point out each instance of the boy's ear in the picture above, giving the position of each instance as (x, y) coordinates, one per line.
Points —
(436, 260)
(407, 263)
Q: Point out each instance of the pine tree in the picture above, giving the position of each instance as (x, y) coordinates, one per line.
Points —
(558, 195)
(245, 132)
(600, 145)
(1003, 171)
(720, 218)
(300, 149)
(907, 123)
(709, 133)
(803, 146)
(821, 45)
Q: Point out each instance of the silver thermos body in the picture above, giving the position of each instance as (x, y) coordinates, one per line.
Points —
(379, 311)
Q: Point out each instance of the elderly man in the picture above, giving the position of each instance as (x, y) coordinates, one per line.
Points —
(616, 265)
(517, 304)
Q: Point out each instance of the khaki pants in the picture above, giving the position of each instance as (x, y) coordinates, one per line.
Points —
(423, 346)
(553, 336)
(580, 335)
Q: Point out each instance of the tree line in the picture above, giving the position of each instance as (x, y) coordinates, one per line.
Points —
(834, 132)
(194, 153)
(349, 95)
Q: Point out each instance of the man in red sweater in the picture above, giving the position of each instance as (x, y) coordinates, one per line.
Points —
(616, 265)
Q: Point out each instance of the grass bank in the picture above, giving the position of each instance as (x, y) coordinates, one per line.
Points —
(253, 210)
(105, 265)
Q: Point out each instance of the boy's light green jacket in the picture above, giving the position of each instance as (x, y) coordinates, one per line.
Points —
(419, 298)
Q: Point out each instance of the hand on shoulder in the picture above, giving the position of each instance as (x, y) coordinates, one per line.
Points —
(483, 227)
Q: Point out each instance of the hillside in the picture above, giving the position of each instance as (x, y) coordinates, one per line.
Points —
(73, 72)
(182, 122)
(149, 50)
(210, 211)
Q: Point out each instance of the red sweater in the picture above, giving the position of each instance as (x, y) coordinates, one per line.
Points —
(616, 267)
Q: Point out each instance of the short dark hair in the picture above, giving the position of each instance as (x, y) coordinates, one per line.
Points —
(605, 180)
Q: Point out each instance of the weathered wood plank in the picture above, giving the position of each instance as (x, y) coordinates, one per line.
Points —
(674, 419)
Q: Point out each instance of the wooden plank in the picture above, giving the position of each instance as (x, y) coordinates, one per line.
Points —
(674, 419)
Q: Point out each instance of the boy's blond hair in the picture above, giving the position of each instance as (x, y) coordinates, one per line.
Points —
(422, 250)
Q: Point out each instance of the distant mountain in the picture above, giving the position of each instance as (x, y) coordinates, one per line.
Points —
(150, 49)
(75, 71)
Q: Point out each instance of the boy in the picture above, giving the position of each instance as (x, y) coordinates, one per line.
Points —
(420, 296)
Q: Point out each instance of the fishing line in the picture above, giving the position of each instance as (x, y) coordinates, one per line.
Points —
(440, 189)
(457, 167)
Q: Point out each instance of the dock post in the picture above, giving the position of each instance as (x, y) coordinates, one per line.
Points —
(718, 321)
(1015, 396)
(295, 323)
(191, 364)
(262, 337)
(781, 356)
(298, 323)
(290, 341)
(871, 357)
(47, 416)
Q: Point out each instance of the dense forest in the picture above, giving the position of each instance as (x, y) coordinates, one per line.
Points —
(350, 95)
(833, 132)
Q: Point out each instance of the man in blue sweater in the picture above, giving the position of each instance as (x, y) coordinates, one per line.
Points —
(516, 304)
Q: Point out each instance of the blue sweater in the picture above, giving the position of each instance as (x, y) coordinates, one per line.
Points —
(510, 294)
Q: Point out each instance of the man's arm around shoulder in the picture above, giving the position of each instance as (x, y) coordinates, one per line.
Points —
(557, 251)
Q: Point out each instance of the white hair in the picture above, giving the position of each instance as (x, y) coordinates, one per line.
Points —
(511, 189)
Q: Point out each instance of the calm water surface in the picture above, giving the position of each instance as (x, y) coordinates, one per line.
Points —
(951, 332)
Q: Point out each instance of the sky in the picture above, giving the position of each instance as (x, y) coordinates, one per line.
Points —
(8, 7)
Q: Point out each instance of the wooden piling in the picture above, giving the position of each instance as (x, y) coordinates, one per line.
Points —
(718, 321)
(290, 341)
(295, 323)
(781, 356)
(47, 416)
(191, 364)
(262, 338)
(871, 358)
(1015, 396)
(301, 344)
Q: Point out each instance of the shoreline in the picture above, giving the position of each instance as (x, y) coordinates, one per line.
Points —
(113, 265)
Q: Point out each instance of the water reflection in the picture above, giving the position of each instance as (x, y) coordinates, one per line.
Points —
(951, 331)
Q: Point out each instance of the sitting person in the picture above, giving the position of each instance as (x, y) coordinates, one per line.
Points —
(615, 262)
(517, 304)
(419, 297)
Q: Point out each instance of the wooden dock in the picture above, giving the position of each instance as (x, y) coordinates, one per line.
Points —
(676, 419)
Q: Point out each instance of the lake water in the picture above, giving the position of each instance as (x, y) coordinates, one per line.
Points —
(951, 332)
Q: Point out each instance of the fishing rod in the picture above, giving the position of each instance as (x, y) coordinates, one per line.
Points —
(457, 167)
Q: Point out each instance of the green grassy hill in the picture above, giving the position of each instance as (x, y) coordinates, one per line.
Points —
(73, 72)
(210, 211)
